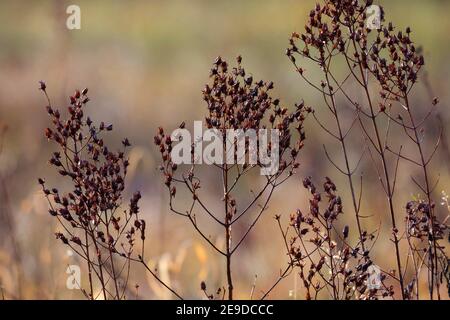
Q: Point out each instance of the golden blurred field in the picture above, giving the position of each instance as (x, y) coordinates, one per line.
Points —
(145, 64)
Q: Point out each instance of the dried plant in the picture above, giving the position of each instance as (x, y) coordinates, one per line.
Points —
(382, 63)
(96, 225)
(234, 101)
(323, 255)
(388, 62)
(424, 235)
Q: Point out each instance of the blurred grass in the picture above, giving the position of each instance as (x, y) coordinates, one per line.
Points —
(145, 63)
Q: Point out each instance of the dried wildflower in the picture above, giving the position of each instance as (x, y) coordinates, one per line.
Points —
(42, 86)
(94, 221)
(341, 268)
(386, 59)
(422, 232)
(235, 101)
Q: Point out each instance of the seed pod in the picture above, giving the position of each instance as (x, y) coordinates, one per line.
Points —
(42, 85)
(345, 232)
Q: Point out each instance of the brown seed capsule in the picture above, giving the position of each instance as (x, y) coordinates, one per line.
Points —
(42, 85)
(345, 232)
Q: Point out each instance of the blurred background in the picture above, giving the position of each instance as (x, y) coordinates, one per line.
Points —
(145, 64)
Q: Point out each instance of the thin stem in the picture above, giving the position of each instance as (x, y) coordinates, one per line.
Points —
(388, 188)
(227, 233)
(433, 252)
(89, 264)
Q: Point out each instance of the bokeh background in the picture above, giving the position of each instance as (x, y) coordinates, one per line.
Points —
(145, 63)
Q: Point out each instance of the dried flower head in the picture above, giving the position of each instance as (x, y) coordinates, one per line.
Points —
(94, 224)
